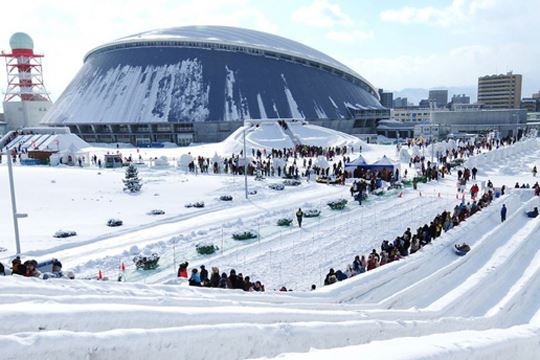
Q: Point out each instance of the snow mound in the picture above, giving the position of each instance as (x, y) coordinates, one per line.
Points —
(270, 134)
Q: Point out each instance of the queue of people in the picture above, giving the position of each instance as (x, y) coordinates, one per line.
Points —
(410, 243)
(216, 279)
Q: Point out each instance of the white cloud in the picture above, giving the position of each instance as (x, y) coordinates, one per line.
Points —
(322, 13)
(349, 36)
(457, 11)
(460, 66)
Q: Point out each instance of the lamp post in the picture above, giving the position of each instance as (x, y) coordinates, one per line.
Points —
(14, 204)
(245, 164)
(517, 124)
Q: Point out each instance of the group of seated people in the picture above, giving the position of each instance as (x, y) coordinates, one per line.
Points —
(29, 268)
(409, 243)
(201, 277)
(536, 187)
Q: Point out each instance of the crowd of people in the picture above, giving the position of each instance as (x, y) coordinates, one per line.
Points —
(202, 278)
(29, 268)
(409, 243)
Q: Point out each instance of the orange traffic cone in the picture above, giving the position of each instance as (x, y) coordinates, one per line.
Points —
(401, 194)
(100, 275)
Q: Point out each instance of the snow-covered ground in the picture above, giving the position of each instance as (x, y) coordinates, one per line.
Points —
(432, 305)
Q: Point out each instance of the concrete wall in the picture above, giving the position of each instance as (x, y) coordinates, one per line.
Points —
(505, 121)
(20, 114)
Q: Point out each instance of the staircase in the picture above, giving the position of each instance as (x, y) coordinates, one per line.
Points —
(295, 140)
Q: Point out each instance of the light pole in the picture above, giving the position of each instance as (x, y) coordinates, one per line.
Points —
(517, 124)
(14, 204)
(432, 144)
(245, 164)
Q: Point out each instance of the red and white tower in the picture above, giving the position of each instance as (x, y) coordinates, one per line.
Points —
(24, 70)
(26, 100)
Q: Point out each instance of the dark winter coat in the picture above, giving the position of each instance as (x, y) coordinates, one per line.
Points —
(340, 276)
(214, 280)
(225, 283)
(204, 275)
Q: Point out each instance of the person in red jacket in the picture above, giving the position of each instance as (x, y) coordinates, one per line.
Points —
(474, 190)
(182, 270)
(372, 262)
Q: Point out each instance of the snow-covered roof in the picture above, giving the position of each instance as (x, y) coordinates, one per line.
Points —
(231, 36)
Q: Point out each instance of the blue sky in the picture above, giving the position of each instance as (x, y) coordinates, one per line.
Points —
(395, 44)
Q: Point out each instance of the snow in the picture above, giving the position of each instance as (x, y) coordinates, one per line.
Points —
(179, 87)
(295, 111)
(431, 305)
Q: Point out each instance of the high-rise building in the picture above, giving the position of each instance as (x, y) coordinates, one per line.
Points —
(500, 91)
(424, 104)
(460, 99)
(400, 103)
(439, 97)
(387, 99)
(531, 104)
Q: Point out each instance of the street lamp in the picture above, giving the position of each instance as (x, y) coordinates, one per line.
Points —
(16, 216)
(517, 124)
(245, 164)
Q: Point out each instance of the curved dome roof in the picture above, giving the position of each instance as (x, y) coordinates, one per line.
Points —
(239, 37)
(21, 40)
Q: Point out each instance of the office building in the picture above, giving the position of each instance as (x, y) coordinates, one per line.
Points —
(460, 99)
(438, 97)
(500, 91)
(387, 99)
(400, 103)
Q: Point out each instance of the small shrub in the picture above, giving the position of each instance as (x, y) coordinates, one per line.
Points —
(64, 233)
(277, 187)
(285, 222)
(244, 235)
(292, 182)
(310, 213)
(114, 222)
(206, 249)
(337, 204)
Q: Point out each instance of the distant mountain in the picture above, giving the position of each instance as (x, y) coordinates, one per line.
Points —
(414, 95)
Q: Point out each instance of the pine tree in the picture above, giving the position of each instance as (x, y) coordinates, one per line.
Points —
(132, 182)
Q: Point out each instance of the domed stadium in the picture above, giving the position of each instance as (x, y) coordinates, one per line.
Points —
(199, 83)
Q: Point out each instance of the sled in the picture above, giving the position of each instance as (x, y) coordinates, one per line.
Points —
(326, 180)
(146, 263)
(461, 252)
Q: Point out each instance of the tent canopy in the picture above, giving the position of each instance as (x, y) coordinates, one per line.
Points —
(383, 163)
(359, 161)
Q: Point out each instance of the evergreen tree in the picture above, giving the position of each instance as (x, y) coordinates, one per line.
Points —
(132, 182)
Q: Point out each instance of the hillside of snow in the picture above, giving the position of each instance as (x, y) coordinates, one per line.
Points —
(430, 305)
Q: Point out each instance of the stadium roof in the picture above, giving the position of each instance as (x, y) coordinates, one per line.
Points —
(232, 36)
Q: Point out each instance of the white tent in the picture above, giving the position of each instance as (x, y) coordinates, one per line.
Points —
(355, 163)
(384, 161)
(321, 162)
